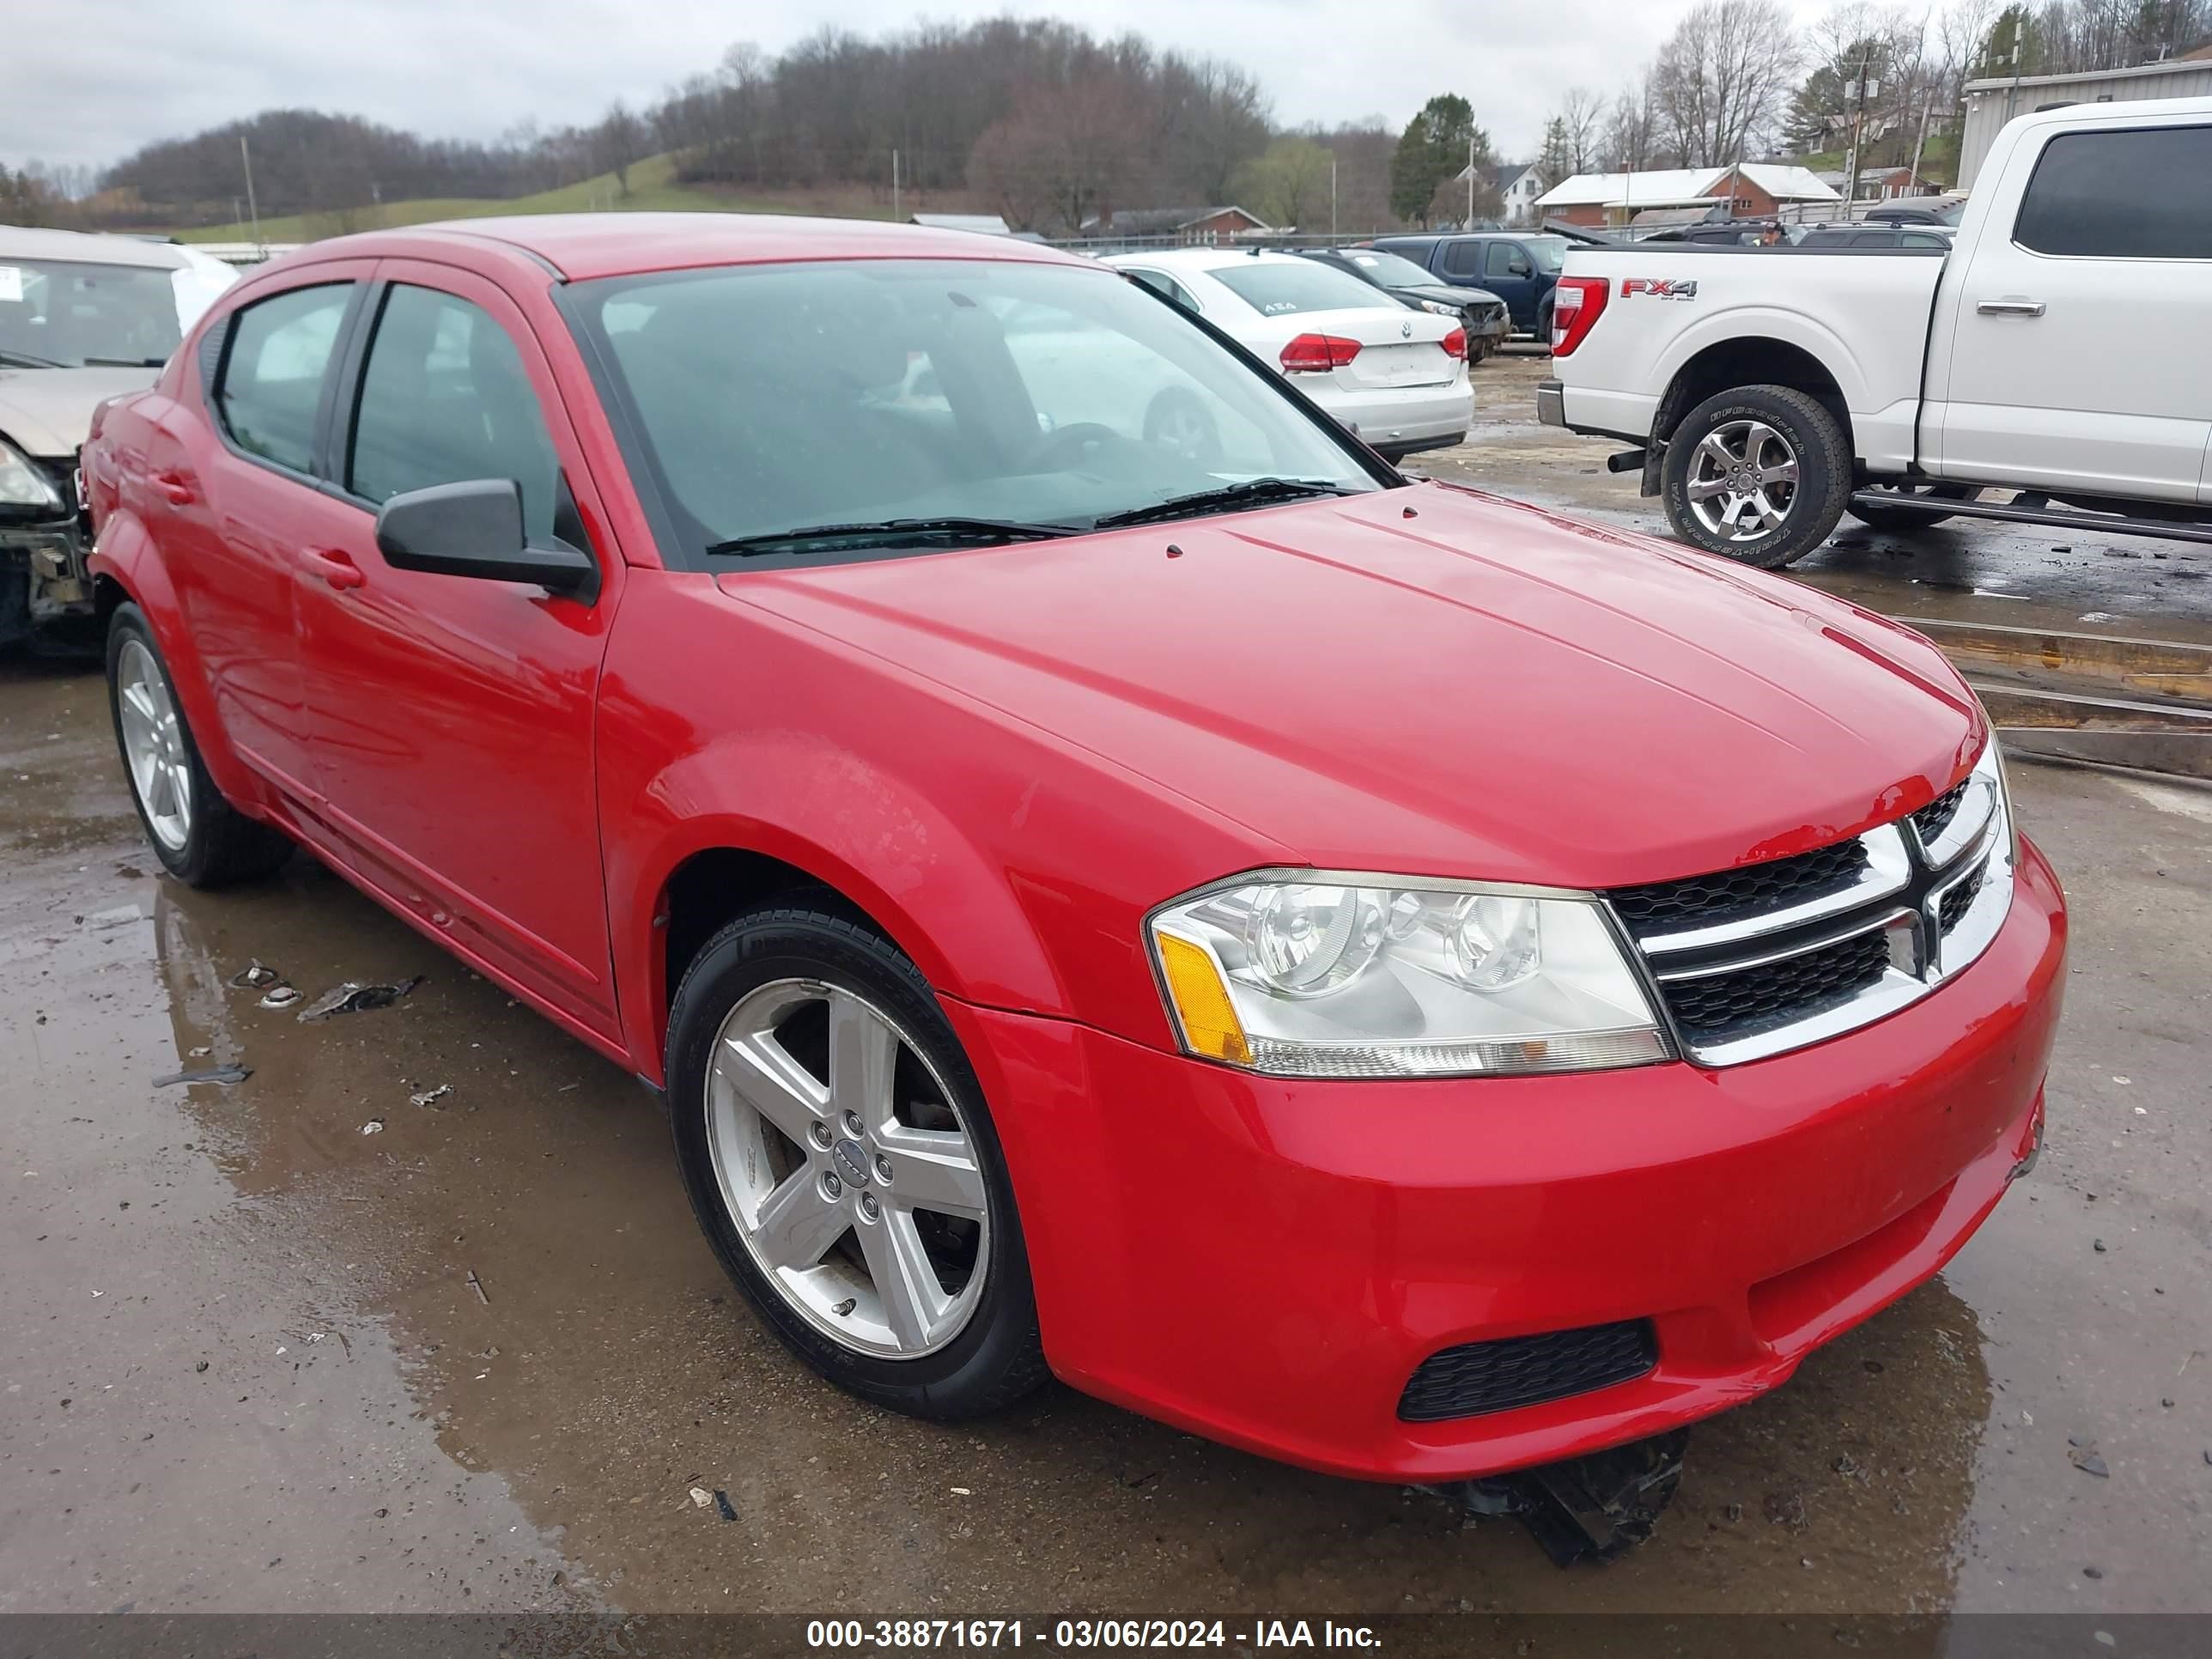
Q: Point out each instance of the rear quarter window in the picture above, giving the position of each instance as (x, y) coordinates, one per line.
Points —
(2144, 194)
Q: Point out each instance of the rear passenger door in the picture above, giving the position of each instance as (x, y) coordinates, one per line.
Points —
(232, 497)
(2075, 357)
(452, 717)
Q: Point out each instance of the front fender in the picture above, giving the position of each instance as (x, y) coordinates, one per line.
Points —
(127, 554)
(840, 819)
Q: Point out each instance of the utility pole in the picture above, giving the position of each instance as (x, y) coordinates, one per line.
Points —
(895, 214)
(246, 156)
(1332, 196)
(1858, 90)
(1469, 225)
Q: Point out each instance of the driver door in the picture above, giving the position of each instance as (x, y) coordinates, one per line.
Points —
(451, 718)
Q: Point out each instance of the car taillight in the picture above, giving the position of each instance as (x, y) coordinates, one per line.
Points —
(1577, 304)
(1456, 342)
(1318, 353)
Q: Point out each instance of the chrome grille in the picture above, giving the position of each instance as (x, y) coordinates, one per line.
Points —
(1776, 955)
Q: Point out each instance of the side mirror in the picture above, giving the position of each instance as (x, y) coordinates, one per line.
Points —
(1521, 268)
(474, 529)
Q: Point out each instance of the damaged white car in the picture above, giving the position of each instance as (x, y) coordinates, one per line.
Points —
(83, 318)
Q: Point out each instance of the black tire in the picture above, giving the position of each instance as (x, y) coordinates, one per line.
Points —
(1544, 326)
(221, 845)
(1902, 520)
(997, 1357)
(1816, 501)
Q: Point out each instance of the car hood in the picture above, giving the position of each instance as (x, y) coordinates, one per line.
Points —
(1430, 681)
(1447, 295)
(48, 411)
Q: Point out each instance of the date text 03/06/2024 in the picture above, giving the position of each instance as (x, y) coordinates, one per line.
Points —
(910, 1634)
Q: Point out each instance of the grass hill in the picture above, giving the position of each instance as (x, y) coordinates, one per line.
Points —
(652, 188)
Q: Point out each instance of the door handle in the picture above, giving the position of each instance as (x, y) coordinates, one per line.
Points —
(336, 568)
(175, 488)
(2010, 308)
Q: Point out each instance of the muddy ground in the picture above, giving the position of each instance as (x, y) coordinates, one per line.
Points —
(254, 1358)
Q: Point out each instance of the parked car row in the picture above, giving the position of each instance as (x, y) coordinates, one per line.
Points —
(1394, 375)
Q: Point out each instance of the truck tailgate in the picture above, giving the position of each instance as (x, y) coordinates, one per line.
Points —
(1861, 314)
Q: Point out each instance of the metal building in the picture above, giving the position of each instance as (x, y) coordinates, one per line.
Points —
(1990, 103)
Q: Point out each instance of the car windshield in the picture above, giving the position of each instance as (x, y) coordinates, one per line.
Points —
(1282, 287)
(66, 314)
(958, 395)
(1551, 252)
(1391, 270)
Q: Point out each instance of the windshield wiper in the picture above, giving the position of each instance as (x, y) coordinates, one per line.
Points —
(125, 362)
(890, 532)
(1246, 493)
(25, 360)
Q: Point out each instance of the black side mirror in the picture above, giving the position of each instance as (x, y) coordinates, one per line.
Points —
(474, 529)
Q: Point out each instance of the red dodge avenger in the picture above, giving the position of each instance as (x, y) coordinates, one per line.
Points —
(1113, 881)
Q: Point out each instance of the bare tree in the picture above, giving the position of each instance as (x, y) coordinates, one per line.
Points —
(1582, 114)
(1721, 77)
(617, 141)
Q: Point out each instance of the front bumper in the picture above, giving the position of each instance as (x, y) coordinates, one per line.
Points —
(1266, 1262)
(44, 559)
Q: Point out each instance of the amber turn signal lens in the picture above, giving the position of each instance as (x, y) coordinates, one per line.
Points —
(1210, 1026)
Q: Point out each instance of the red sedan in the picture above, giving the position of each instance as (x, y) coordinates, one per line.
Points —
(1362, 969)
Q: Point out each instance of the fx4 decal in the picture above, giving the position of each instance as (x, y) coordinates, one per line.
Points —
(1659, 288)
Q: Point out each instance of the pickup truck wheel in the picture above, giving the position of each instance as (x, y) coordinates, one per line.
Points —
(839, 1156)
(1759, 474)
(200, 838)
(1894, 519)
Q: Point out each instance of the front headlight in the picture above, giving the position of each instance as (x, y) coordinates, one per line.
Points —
(1439, 307)
(22, 484)
(1300, 973)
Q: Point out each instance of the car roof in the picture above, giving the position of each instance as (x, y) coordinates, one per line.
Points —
(1201, 258)
(582, 246)
(84, 248)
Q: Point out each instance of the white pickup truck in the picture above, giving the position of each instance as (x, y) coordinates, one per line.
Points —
(2061, 349)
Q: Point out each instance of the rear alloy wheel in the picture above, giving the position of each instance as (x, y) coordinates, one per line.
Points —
(1759, 474)
(1906, 519)
(199, 836)
(838, 1155)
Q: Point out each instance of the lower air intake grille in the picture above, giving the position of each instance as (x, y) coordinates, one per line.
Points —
(1722, 1006)
(1477, 1378)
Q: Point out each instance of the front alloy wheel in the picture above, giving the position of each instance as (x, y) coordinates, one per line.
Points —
(847, 1169)
(838, 1152)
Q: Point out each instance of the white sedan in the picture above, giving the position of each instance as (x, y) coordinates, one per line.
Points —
(1395, 377)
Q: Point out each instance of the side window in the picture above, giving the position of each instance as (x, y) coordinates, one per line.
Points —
(2141, 195)
(1924, 239)
(1462, 259)
(1161, 283)
(444, 399)
(1497, 259)
(272, 377)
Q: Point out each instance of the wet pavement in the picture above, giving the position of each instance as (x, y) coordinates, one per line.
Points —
(253, 1358)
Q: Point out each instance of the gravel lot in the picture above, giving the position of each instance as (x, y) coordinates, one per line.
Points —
(256, 1358)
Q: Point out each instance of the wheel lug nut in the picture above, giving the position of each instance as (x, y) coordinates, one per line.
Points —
(822, 1136)
(883, 1168)
(869, 1207)
(853, 1125)
(831, 1187)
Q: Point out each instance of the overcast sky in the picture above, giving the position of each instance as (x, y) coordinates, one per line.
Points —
(89, 81)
